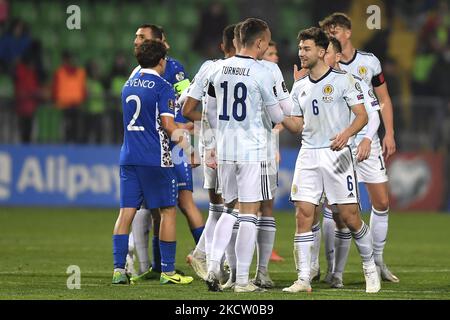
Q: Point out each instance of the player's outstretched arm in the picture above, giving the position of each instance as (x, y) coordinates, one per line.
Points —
(361, 118)
(293, 124)
(189, 111)
(365, 146)
(387, 114)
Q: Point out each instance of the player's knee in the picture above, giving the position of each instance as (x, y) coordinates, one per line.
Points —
(381, 204)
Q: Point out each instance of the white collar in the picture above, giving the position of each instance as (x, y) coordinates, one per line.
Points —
(149, 71)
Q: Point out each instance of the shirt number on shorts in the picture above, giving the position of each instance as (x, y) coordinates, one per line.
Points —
(240, 94)
(131, 126)
(315, 107)
(350, 183)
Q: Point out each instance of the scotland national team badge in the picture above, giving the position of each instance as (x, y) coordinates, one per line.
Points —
(180, 76)
(327, 91)
(171, 104)
(362, 71)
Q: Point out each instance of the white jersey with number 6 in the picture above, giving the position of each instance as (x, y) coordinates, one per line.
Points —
(325, 106)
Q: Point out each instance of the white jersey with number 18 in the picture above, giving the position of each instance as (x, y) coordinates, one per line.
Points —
(243, 88)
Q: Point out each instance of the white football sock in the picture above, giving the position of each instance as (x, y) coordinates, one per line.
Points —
(363, 240)
(266, 229)
(230, 252)
(303, 243)
(141, 226)
(200, 247)
(315, 250)
(214, 213)
(222, 236)
(131, 244)
(245, 246)
(328, 226)
(342, 241)
(379, 230)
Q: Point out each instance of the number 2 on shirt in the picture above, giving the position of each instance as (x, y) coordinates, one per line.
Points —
(131, 126)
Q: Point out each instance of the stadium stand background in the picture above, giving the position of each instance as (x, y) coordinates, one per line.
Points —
(413, 45)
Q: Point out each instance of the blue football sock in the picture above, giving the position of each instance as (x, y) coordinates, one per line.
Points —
(168, 250)
(156, 263)
(120, 250)
(197, 233)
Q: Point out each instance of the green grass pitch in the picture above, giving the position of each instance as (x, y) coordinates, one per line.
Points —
(37, 246)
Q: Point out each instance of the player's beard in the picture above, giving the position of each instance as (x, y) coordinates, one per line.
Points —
(309, 64)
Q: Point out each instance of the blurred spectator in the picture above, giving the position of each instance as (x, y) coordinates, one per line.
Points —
(4, 12)
(212, 22)
(27, 94)
(14, 43)
(69, 92)
(6, 106)
(94, 106)
(117, 78)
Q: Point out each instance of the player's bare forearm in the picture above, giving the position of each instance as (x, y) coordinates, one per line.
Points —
(189, 111)
(340, 140)
(293, 124)
(357, 124)
(361, 119)
(387, 114)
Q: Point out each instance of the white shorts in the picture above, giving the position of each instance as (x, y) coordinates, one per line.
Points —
(248, 182)
(210, 178)
(373, 169)
(320, 171)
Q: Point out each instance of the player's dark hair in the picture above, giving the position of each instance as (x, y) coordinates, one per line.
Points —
(157, 31)
(237, 32)
(272, 43)
(150, 53)
(336, 44)
(336, 19)
(251, 29)
(318, 35)
(227, 37)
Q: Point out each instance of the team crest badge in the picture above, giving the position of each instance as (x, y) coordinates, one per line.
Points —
(180, 76)
(328, 89)
(294, 189)
(362, 71)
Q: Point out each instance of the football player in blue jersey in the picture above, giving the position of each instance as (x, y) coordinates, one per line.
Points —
(176, 76)
(146, 174)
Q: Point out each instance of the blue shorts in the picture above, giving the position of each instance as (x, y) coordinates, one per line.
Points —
(183, 172)
(155, 185)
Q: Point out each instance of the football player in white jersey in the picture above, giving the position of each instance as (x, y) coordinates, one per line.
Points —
(337, 242)
(266, 224)
(323, 102)
(246, 108)
(367, 66)
(197, 92)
